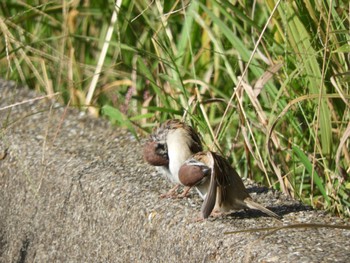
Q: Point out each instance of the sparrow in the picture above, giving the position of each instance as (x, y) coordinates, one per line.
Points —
(169, 146)
(222, 187)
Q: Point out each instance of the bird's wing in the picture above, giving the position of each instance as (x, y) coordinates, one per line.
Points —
(231, 190)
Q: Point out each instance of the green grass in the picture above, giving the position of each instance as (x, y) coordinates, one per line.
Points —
(266, 82)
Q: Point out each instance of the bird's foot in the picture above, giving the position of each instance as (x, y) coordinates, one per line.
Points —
(171, 193)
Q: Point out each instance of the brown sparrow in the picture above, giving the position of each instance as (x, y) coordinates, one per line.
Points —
(224, 188)
(169, 147)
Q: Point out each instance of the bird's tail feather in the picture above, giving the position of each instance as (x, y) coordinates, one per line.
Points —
(210, 199)
(253, 205)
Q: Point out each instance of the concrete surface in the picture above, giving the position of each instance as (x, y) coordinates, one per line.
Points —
(76, 189)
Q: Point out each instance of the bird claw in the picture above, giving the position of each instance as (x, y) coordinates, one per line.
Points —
(173, 194)
(185, 193)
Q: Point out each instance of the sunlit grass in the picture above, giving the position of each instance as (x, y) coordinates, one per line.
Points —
(266, 82)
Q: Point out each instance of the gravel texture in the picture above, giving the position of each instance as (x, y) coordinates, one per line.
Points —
(76, 189)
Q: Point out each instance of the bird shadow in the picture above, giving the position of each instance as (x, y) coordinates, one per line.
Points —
(258, 189)
(279, 210)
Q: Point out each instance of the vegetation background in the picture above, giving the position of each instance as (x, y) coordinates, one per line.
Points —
(265, 82)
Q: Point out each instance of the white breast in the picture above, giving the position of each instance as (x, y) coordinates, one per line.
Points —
(178, 151)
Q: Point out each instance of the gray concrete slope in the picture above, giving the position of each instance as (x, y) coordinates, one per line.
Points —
(76, 189)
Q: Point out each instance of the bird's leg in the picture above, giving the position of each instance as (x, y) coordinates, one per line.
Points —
(171, 193)
(216, 213)
(185, 192)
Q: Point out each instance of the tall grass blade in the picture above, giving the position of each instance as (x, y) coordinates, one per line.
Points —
(308, 166)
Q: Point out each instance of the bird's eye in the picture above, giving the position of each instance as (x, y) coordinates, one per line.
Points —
(160, 146)
(206, 171)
